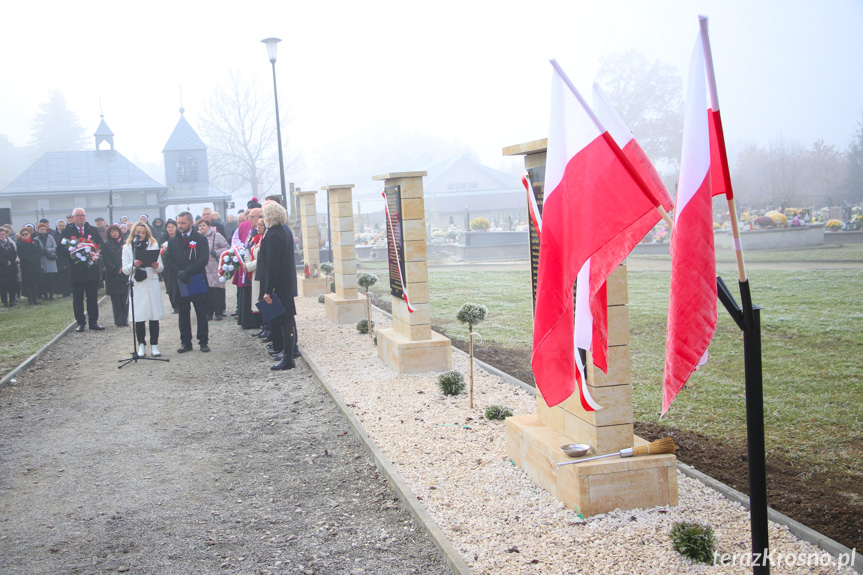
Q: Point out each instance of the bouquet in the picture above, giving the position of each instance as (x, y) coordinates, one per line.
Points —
(229, 262)
(82, 250)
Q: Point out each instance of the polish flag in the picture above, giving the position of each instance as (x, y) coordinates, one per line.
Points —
(692, 314)
(591, 309)
(591, 197)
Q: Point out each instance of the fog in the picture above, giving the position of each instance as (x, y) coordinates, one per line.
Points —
(366, 83)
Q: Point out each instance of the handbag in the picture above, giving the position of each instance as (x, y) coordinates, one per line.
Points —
(51, 255)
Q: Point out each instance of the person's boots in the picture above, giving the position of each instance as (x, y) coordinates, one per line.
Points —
(287, 361)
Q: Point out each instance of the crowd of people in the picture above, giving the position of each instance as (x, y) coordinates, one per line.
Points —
(135, 260)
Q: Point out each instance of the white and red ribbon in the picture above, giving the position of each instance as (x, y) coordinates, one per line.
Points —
(534, 207)
(396, 251)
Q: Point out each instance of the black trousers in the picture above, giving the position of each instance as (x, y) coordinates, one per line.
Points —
(91, 290)
(282, 330)
(8, 289)
(184, 305)
(120, 305)
(141, 332)
(216, 301)
(245, 317)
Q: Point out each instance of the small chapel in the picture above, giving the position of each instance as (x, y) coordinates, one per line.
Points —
(107, 184)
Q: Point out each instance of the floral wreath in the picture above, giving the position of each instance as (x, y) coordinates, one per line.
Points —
(82, 250)
(229, 262)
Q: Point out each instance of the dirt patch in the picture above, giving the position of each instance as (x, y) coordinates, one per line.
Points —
(830, 503)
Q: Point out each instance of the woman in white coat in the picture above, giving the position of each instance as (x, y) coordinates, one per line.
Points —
(147, 292)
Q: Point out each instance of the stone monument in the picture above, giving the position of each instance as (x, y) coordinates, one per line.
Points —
(315, 283)
(410, 346)
(347, 305)
(534, 440)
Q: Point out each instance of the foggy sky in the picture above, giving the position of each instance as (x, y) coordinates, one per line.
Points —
(475, 73)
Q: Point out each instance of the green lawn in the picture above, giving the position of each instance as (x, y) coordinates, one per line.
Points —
(24, 329)
(812, 350)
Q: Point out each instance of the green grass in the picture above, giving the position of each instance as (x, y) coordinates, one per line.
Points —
(811, 351)
(827, 252)
(24, 329)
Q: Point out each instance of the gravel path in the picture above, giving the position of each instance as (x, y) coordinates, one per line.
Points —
(455, 462)
(208, 464)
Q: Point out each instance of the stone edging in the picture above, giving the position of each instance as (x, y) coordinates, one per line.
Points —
(27, 362)
(798, 529)
(450, 554)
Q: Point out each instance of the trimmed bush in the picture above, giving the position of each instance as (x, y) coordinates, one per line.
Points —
(321, 298)
(498, 412)
(363, 326)
(472, 314)
(694, 540)
(327, 268)
(451, 382)
(366, 280)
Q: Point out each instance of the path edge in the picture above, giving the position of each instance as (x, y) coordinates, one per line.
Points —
(451, 555)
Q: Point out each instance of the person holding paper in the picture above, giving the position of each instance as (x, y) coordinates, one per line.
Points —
(276, 258)
(187, 255)
(141, 260)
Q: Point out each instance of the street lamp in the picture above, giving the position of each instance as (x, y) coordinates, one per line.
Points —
(271, 52)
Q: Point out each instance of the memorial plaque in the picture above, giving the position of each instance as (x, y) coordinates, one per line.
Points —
(395, 241)
(537, 181)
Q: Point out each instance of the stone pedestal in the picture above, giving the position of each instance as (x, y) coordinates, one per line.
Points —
(410, 346)
(346, 305)
(316, 284)
(534, 441)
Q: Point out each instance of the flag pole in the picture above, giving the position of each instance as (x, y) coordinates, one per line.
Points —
(720, 136)
(617, 151)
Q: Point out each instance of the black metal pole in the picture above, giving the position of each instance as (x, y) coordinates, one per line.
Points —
(748, 319)
(279, 136)
(755, 433)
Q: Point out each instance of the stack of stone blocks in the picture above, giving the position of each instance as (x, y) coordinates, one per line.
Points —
(346, 305)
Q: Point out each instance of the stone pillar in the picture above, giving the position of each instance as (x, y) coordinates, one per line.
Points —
(346, 305)
(316, 283)
(534, 441)
(411, 346)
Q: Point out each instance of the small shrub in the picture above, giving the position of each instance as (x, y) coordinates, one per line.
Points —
(499, 412)
(479, 224)
(366, 280)
(332, 287)
(321, 298)
(451, 382)
(327, 268)
(472, 314)
(363, 326)
(694, 540)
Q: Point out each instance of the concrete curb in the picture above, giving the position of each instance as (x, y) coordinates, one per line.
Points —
(798, 529)
(450, 554)
(29, 361)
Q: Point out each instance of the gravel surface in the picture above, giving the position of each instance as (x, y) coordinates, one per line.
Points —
(456, 464)
(208, 464)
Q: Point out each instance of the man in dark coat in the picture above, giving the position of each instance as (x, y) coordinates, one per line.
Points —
(187, 256)
(84, 278)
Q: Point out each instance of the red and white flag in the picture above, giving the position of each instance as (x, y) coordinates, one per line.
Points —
(591, 310)
(591, 197)
(692, 314)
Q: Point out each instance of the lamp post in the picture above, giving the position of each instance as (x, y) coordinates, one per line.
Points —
(271, 52)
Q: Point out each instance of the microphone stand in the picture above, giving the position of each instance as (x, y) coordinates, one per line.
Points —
(135, 357)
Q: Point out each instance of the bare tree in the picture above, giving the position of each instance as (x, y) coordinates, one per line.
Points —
(648, 97)
(854, 170)
(239, 123)
(56, 127)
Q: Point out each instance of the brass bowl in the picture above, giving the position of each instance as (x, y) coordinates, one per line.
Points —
(575, 449)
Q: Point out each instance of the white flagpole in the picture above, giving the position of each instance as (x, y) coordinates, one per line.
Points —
(714, 105)
(618, 152)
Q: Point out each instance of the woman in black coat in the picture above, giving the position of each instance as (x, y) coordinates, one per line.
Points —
(8, 269)
(169, 275)
(116, 282)
(30, 255)
(63, 286)
(279, 278)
